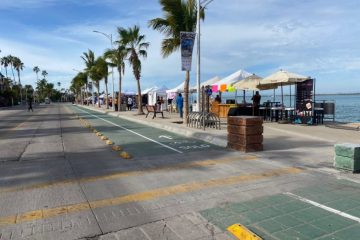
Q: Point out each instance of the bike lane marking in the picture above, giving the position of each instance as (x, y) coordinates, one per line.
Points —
(131, 131)
(319, 205)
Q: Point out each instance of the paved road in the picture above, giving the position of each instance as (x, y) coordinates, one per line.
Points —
(58, 180)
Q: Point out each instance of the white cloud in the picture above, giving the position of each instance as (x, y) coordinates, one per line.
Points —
(318, 38)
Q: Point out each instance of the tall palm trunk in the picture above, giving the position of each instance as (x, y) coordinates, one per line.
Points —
(6, 72)
(12, 70)
(120, 82)
(106, 92)
(18, 72)
(86, 94)
(140, 110)
(98, 93)
(186, 97)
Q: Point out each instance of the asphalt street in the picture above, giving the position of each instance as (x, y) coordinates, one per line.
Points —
(60, 180)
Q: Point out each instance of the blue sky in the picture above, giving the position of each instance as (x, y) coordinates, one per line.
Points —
(318, 38)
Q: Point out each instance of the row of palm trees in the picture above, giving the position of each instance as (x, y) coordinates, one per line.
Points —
(14, 88)
(178, 16)
(130, 46)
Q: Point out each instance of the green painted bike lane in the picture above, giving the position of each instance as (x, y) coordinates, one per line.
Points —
(141, 140)
(329, 211)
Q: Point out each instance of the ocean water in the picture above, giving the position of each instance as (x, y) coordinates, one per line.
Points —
(347, 107)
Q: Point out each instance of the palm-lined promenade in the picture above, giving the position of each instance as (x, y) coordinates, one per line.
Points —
(99, 160)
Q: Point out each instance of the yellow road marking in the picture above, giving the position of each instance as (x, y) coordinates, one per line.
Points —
(118, 175)
(143, 196)
(242, 233)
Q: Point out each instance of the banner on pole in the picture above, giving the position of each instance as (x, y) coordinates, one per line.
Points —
(187, 40)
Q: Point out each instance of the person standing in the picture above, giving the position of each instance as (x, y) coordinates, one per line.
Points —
(129, 103)
(180, 104)
(30, 104)
(158, 103)
(256, 103)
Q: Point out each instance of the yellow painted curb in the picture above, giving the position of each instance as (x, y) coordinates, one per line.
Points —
(109, 142)
(242, 233)
(117, 148)
(99, 134)
(125, 155)
(104, 138)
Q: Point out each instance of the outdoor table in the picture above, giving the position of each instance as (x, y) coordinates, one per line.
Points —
(265, 112)
(289, 113)
(275, 113)
(318, 115)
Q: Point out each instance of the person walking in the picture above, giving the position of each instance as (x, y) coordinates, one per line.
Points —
(30, 104)
(180, 104)
(129, 103)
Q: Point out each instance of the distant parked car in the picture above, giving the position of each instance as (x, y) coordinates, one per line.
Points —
(47, 101)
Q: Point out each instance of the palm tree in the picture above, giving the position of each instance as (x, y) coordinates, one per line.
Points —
(41, 88)
(135, 47)
(89, 59)
(44, 73)
(78, 82)
(36, 69)
(98, 72)
(5, 61)
(117, 57)
(179, 15)
(11, 62)
(19, 66)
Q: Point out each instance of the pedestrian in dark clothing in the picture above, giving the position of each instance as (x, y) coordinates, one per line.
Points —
(30, 104)
(256, 103)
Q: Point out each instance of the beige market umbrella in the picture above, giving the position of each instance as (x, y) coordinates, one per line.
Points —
(282, 78)
(252, 82)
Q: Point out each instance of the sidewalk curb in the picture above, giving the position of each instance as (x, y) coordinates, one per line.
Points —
(183, 130)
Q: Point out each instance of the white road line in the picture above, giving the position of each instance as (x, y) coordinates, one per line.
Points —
(152, 140)
(329, 209)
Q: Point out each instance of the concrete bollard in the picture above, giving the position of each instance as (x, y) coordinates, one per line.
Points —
(347, 157)
(245, 133)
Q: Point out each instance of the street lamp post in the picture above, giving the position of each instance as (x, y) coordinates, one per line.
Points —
(201, 5)
(109, 36)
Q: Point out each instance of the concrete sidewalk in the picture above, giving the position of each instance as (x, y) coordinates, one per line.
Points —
(297, 145)
(218, 137)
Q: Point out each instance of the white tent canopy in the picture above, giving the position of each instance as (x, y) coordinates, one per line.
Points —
(233, 78)
(208, 82)
(146, 91)
(177, 89)
(171, 93)
(155, 93)
(129, 93)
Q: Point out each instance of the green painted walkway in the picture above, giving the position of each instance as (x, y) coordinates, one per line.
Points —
(141, 140)
(286, 217)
